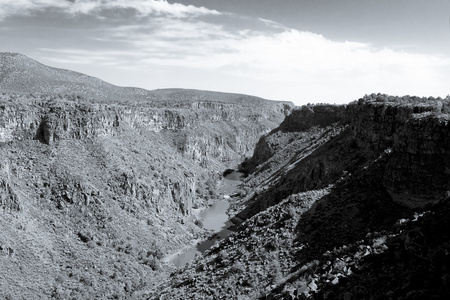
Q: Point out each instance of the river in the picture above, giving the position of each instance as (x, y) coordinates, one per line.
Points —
(214, 218)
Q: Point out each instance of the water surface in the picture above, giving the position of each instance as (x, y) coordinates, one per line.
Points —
(214, 218)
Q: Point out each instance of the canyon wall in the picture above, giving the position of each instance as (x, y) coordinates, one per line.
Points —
(219, 131)
(413, 137)
(301, 119)
(209, 134)
(84, 184)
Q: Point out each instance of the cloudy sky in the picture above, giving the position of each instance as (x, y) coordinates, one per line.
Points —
(298, 50)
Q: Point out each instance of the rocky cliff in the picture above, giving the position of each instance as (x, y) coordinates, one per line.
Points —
(302, 119)
(352, 209)
(415, 137)
(208, 132)
(418, 171)
(98, 182)
(313, 155)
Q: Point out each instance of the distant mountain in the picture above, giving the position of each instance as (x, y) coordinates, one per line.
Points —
(99, 182)
(21, 74)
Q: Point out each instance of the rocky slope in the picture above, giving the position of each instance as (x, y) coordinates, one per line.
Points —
(338, 209)
(99, 182)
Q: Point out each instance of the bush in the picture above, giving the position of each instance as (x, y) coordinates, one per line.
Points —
(199, 223)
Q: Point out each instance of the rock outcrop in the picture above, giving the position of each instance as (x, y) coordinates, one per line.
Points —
(418, 171)
(301, 120)
(305, 117)
(98, 183)
(413, 135)
(9, 201)
(416, 139)
(325, 207)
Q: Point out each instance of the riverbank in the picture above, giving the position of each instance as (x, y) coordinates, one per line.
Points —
(214, 219)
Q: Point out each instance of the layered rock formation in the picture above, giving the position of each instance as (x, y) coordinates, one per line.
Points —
(418, 172)
(412, 134)
(302, 119)
(326, 206)
(98, 182)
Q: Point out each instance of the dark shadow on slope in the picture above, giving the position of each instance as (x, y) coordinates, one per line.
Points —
(43, 132)
(328, 163)
(40, 135)
(356, 206)
(416, 264)
(301, 120)
(311, 140)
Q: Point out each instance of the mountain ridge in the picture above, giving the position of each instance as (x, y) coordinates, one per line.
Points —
(21, 74)
(97, 187)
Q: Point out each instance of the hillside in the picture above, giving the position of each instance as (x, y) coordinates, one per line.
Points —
(341, 202)
(22, 75)
(99, 183)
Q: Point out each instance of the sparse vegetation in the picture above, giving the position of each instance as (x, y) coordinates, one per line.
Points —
(99, 183)
(298, 243)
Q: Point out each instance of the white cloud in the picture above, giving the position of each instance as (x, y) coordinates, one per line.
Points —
(303, 59)
(142, 7)
(284, 61)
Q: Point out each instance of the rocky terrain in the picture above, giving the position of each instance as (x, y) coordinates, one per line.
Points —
(99, 183)
(353, 206)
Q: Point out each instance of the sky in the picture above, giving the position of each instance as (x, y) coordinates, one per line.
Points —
(304, 51)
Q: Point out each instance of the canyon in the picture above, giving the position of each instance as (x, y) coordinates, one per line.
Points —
(99, 183)
(339, 203)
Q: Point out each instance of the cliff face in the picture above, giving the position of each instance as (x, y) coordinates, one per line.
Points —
(212, 131)
(305, 117)
(301, 120)
(329, 201)
(376, 125)
(419, 168)
(98, 185)
(413, 136)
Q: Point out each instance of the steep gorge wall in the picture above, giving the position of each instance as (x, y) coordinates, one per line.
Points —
(375, 125)
(211, 129)
(209, 134)
(301, 119)
(415, 139)
(418, 171)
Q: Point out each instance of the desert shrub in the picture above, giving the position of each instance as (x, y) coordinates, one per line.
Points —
(238, 268)
(199, 223)
(275, 273)
(153, 263)
(85, 236)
